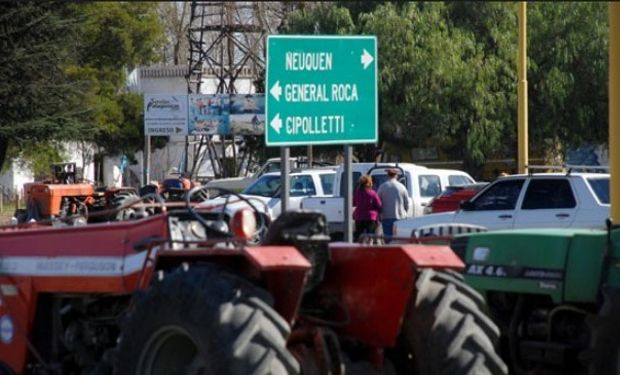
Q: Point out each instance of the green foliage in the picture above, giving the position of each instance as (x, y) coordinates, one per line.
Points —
(38, 157)
(440, 84)
(114, 38)
(63, 69)
(448, 73)
(568, 74)
(38, 100)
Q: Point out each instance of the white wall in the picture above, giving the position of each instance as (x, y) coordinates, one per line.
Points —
(82, 155)
(15, 178)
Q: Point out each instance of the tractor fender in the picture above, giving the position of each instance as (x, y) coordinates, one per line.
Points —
(375, 283)
(433, 256)
(281, 270)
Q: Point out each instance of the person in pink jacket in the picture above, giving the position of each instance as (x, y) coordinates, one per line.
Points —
(367, 207)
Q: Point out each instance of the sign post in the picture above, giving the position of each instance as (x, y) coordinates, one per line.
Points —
(322, 90)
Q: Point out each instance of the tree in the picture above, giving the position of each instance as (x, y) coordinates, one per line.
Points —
(115, 38)
(39, 100)
(175, 18)
(568, 70)
(445, 76)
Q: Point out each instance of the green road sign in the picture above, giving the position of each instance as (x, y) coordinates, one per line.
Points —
(321, 90)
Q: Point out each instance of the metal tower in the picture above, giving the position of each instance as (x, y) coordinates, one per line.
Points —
(226, 41)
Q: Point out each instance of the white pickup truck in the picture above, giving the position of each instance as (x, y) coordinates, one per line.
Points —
(271, 165)
(264, 193)
(422, 184)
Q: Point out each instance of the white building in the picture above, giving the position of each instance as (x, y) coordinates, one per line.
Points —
(166, 79)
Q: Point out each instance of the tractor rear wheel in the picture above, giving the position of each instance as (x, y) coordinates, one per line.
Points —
(446, 330)
(204, 321)
(126, 200)
(603, 356)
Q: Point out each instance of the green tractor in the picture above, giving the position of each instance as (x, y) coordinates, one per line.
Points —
(555, 294)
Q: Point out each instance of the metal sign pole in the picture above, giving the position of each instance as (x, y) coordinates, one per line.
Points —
(284, 173)
(348, 196)
(147, 160)
(614, 112)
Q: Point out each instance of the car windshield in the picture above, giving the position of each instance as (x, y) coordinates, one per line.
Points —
(265, 186)
(600, 186)
(301, 185)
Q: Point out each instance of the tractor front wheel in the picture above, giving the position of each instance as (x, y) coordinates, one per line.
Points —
(446, 330)
(204, 321)
(603, 356)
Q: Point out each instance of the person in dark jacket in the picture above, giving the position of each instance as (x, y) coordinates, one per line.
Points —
(367, 207)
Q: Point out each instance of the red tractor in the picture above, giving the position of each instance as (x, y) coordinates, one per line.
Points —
(180, 292)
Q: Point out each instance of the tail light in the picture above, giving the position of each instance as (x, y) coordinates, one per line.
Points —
(243, 224)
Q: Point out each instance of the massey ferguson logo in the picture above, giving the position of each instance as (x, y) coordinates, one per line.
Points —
(163, 104)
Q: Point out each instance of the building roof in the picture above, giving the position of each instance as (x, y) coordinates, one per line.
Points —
(157, 71)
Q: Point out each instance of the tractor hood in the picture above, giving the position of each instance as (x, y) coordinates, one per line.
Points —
(565, 264)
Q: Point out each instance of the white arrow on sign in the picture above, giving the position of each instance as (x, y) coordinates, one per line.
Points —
(276, 123)
(367, 59)
(276, 91)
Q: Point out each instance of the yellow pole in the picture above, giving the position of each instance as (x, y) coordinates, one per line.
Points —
(522, 90)
(614, 110)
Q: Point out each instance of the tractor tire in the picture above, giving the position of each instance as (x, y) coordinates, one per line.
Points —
(130, 213)
(202, 320)
(5, 369)
(603, 356)
(447, 331)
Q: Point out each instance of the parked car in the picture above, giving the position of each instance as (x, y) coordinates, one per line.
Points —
(550, 200)
(264, 193)
(452, 196)
(422, 185)
(237, 184)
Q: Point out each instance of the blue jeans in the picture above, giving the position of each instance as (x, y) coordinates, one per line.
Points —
(387, 225)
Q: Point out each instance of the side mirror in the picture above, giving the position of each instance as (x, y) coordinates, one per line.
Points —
(466, 205)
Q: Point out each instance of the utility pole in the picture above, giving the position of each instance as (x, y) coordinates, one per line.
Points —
(522, 91)
(614, 110)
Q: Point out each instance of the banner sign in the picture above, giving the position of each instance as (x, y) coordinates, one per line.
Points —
(208, 114)
(247, 114)
(201, 114)
(165, 114)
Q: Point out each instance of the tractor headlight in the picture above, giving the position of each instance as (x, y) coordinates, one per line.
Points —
(243, 223)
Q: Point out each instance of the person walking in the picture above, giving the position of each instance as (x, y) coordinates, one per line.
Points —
(395, 200)
(367, 207)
